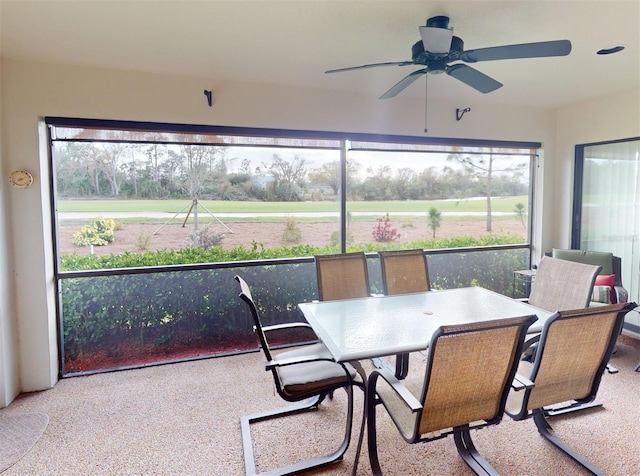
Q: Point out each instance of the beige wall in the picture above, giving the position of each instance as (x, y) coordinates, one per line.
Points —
(610, 118)
(31, 91)
(8, 350)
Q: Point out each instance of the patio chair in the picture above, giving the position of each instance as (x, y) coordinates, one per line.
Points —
(567, 374)
(560, 285)
(610, 275)
(465, 386)
(306, 375)
(403, 272)
(342, 276)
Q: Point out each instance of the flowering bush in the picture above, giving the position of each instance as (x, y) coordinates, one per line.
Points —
(100, 233)
(383, 231)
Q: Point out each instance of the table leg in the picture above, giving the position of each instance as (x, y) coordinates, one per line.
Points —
(358, 366)
(402, 365)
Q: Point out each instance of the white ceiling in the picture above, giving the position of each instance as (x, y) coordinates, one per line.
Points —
(294, 42)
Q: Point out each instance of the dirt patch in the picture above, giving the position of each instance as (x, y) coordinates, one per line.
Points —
(140, 237)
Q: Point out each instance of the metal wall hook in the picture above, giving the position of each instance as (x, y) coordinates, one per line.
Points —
(209, 95)
(460, 112)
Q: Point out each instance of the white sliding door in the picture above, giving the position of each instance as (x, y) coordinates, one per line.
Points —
(607, 207)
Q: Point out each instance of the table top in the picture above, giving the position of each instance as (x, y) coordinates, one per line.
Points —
(357, 329)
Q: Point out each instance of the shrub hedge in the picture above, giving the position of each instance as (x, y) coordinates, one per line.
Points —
(100, 313)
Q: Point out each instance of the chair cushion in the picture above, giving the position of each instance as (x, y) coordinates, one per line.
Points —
(596, 258)
(606, 280)
(601, 294)
(299, 381)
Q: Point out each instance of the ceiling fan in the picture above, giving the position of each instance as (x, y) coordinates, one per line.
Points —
(438, 48)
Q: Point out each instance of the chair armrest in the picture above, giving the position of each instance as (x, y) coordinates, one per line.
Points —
(302, 326)
(289, 325)
(397, 386)
(622, 295)
(301, 359)
(520, 382)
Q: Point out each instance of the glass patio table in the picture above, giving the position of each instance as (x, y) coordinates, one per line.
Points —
(365, 328)
(378, 326)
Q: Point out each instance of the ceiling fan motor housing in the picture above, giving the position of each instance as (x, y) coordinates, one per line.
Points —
(440, 21)
(420, 56)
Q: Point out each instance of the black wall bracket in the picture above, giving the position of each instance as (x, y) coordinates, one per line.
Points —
(209, 95)
(461, 112)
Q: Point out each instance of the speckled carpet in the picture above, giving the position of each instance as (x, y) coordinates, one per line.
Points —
(18, 434)
(184, 419)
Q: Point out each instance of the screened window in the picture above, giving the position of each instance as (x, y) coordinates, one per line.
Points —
(236, 194)
(153, 221)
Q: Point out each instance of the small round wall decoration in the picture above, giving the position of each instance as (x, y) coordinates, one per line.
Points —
(20, 179)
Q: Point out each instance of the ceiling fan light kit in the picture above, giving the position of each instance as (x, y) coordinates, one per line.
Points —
(435, 40)
(438, 48)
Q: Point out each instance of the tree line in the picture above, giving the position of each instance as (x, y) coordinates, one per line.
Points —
(184, 171)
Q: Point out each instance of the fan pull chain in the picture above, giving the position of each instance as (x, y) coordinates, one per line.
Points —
(426, 89)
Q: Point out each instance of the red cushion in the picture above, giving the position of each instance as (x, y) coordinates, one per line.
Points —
(607, 280)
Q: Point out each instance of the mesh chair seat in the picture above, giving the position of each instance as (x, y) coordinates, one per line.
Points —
(299, 381)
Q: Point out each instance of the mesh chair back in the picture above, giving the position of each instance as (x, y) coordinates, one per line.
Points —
(342, 276)
(245, 295)
(469, 372)
(404, 271)
(561, 285)
(574, 349)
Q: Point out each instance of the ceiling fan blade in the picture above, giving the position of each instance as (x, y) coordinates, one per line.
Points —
(403, 83)
(474, 78)
(373, 65)
(525, 50)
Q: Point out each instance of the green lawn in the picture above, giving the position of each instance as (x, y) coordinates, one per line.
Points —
(504, 205)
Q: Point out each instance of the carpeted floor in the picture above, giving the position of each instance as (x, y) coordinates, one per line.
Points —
(18, 433)
(184, 419)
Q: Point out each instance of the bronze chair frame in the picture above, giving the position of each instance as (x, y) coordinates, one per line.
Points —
(303, 400)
